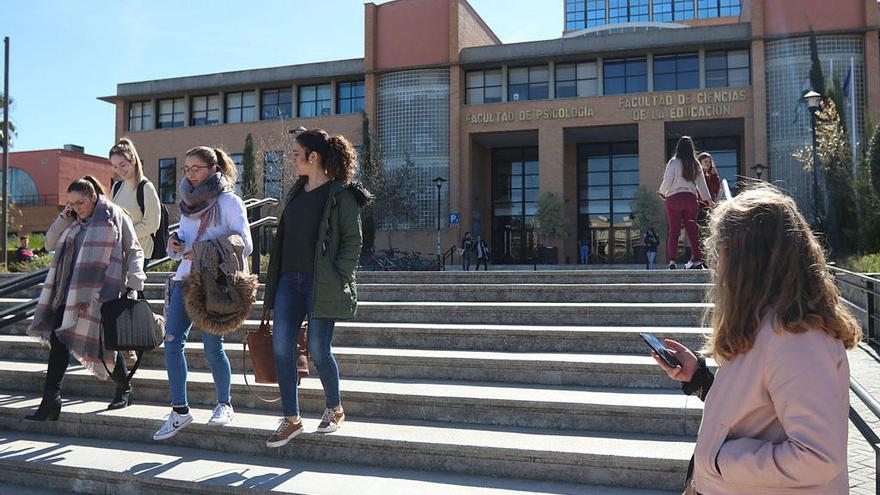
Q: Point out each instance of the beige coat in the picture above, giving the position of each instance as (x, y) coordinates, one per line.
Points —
(776, 418)
(147, 223)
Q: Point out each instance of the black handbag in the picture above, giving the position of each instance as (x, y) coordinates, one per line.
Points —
(129, 325)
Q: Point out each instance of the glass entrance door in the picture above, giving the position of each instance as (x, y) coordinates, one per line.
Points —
(514, 203)
(608, 179)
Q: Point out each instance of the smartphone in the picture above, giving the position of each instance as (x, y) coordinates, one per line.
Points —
(662, 351)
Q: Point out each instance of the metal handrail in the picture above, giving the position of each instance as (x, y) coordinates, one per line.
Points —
(27, 309)
(860, 392)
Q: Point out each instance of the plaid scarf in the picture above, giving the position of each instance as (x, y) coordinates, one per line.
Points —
(96, 276)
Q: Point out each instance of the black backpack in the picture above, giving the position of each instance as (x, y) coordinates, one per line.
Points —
(160, 237)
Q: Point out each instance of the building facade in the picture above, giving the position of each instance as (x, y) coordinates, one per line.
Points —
(38, 182)
(591, 116)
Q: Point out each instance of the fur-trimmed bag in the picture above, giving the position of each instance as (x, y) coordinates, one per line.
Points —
(218, 293)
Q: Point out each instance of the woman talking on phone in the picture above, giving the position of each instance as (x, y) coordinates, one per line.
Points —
(97, 257)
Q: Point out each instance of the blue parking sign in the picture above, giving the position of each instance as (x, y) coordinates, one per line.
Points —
(454, 218)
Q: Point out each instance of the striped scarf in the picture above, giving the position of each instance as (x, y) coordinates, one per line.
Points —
(96, 276)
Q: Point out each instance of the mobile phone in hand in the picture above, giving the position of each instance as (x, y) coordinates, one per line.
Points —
(662, 351)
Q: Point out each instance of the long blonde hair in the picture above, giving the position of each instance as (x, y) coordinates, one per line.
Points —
(769, 261)
(125, 148)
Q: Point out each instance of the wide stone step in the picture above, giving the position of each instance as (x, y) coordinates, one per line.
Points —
(580, 369)
(535, 406)
(656, 293)
(120, 468)
(519, 277)
(507, 313)
(481, 337)
(634, 461)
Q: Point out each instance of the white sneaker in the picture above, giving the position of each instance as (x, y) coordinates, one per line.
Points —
(173, 424)
(689, 265)
(222, 415)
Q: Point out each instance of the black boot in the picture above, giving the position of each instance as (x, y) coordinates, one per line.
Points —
(50, 409)
(123, 397)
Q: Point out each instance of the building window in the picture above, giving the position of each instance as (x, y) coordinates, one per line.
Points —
(574, 15)
(484, 86)
(728, 69)
(596, 13)
(529, 83)
(607, 183)
(168, 180)
(237, 159)
(718, 8)
(241, 106)
(620, 11)
(170, 113)
(277, 104)
(625, 76)
(205, 110)
(577, 80)
(273, 174)
(350, 97)
(314, 100)
(673, 10)
(139, 116)
(672, 72)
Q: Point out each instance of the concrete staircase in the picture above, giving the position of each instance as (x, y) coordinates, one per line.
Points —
(490, 382)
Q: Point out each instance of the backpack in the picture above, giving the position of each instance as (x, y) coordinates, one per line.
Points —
(160, 237)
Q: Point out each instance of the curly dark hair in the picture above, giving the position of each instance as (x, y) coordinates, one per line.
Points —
(338, 157)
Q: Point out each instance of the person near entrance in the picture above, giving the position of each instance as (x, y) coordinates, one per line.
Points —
(713, 181)
(584, 248)
(483, 253)
(683, 186)
(651, 241)
(467, 245)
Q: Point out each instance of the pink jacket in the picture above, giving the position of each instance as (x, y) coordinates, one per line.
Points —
(776, 418)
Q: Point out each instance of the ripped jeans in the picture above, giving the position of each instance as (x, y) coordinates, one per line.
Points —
(177, 327)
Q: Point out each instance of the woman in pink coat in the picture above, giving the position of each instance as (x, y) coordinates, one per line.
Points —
(776, 417)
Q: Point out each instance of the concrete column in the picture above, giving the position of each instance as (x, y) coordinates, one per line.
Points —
(756, 138)
(600, 74)
(187, 101)
(551, 167)
(872, 75)
(294, 101)
(652, 163)
(221, 119)
(650, 64)
(551, 81)
(333, 97)
(504, 83)
(702, 62)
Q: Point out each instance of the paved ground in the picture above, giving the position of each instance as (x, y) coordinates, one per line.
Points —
(865, 367)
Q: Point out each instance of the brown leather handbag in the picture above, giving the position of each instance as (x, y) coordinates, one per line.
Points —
(263, 357)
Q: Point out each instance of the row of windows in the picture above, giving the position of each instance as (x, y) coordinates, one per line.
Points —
(241, 106)
(620, 76)
(273, 176)
(580, 14)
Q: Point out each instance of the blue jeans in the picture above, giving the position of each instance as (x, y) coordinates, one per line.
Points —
(585, 254)
(652, 257)
(293, 302)
(177, 327)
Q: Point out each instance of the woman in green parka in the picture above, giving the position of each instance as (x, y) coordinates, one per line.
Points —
(311, 270)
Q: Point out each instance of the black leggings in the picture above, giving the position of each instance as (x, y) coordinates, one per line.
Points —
(59, 359)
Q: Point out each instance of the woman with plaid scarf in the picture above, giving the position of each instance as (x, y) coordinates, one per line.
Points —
(97, 258)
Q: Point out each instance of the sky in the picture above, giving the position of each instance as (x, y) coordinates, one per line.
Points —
(65, 54)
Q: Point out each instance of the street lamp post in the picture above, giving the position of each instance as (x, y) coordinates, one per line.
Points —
(438, 181)
(814, 102)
